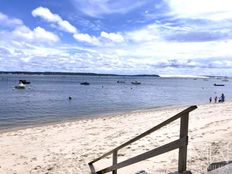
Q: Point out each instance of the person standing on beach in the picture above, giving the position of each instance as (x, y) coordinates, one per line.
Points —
(215, 99)
(210, 99)
(222, 98)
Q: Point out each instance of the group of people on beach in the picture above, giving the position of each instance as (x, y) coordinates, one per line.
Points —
(216, 99)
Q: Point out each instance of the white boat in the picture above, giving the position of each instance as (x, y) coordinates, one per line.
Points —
(20, 85)
(136, 83)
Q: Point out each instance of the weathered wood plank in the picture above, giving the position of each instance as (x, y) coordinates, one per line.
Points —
(155, 152)
(182, 162)
(115, 160)
(92, 168)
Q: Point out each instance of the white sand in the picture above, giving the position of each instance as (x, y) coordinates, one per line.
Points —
(68, 147)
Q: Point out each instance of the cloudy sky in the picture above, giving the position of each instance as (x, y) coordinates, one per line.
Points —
(168, 37)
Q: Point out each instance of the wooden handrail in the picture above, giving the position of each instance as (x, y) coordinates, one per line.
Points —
(155, 152)
(184, 115)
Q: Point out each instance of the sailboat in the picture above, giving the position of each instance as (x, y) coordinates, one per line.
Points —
(20, 85)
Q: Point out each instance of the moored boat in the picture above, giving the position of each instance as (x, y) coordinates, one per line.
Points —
(136, 83)
(85, 83)
(20, 85)
(120, 81)
(24, 81)
(215, 84)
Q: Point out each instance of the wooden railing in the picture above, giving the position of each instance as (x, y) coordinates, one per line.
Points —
(180, 144)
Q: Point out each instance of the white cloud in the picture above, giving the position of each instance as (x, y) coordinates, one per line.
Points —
(86, 38)
(7, 21)
(15, 30)
(115, 37)
(148, 33)
(38, 34)
(23, 32)
(66, 26)
(47, 15)
(201, 9)
(42, 34)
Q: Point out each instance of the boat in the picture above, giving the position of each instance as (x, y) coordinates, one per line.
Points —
(136, 83)
(215, 84)
(20, 85)
(24, 81)
(85, 83)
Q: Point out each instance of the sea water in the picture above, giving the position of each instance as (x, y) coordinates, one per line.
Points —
(46, 99)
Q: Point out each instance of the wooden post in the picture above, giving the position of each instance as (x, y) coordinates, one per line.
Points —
(183, 150)
(115, 160)
(92, 168)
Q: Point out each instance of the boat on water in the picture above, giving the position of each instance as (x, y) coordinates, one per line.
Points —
(136, 83)
(20, 86)
(215, 84)
(85, 83)
(24, 81)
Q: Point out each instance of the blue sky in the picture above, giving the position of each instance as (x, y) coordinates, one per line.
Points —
(167, 37)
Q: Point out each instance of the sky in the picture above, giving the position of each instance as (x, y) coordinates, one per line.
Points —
(165, 37)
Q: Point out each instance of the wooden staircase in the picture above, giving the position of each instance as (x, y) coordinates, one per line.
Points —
(180, 144)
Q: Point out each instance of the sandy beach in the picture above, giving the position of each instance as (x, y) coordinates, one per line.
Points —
(68, 147)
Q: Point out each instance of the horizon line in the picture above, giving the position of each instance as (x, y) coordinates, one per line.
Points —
(106, 74)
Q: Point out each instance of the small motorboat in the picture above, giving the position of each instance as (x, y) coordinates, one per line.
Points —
(120, 81)
(215, 84)
(84, 83)
(136, 83)
(20, 85)
(24, 81)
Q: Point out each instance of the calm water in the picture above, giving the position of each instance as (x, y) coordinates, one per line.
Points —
(46, 98)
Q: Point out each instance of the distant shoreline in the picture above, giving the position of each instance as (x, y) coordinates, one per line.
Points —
(72, 73)
(102, 74)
